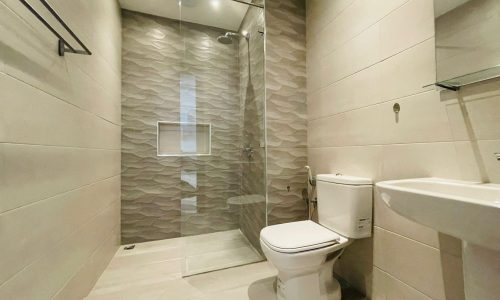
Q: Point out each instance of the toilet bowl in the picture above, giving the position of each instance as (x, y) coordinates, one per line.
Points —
(304, 252)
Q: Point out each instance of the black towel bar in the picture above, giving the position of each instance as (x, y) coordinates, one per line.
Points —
(63, 45)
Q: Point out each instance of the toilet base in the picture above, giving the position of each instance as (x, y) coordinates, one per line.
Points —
(311, 286)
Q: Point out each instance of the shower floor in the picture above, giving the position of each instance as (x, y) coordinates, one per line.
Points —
(219, 250)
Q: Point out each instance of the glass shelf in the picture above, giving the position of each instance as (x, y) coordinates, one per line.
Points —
(471, 78)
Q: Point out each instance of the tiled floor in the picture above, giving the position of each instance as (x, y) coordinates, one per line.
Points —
(154, 270)
(219, 250)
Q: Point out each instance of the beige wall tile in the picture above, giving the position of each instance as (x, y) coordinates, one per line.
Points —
(84, 279)
(357, 54)
(361, 161)
(63, 260)
(66, 213)
(33, 173)
(412, 262)
(58, 114)
(50, 121)
(34, 61)
(407, 26)
(408, 72)
(422, 119)
(416, 160)
(387, 219)
(322, 12)
(487, 149)
(346, 94)
(353, 20)
(387, 287)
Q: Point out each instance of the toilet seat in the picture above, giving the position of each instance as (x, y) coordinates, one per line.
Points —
(298, 237)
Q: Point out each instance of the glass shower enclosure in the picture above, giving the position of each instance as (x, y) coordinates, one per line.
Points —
(194, 147)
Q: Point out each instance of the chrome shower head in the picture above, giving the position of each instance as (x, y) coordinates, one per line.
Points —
(227, 38)
(224, 40)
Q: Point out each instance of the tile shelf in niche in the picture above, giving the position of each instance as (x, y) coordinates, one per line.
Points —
(456, 83)
(183, 139)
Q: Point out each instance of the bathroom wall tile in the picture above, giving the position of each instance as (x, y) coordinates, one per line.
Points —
(84, 279)
(71, 105)
(387, 219)
(286, 133)
(354, 19)
(488, 149)
(407, 26)
(313, 59)
(322, 12)
(286, 161)
(408, 72)
(359, 161)
(51, 121)
(387, 287)
(420, 160)
(346, 94)
(286, 103)
(37, 64)
(418, 265)
(66, 213)
(359, 53)
(33, 173)
(427, 123)
(63, 260)
(169, 81)
(285, 199)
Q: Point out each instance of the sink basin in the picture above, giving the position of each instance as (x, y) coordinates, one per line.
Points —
(467, 210)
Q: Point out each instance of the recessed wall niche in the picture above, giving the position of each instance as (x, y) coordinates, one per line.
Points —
(183, 139)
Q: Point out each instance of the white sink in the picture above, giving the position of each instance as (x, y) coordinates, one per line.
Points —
(467, 210)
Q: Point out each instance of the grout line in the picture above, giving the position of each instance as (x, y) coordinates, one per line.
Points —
(406, 284)
(60, 241)
(114, 230)
(60, 194)
(402, 98)
(58, 146)
(377, 62)
(407, 238)
(394, 144)
(60, 99)
(367, 28)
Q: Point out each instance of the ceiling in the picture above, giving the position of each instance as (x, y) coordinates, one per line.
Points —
(443, 6)
(225, 14)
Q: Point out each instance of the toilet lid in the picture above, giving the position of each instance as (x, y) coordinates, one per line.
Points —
(298, 236)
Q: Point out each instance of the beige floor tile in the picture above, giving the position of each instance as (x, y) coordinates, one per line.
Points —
(153, 270)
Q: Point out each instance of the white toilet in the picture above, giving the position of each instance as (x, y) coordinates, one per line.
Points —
(304, 252)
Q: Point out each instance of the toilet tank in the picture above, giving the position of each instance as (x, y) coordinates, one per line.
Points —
(345, 204)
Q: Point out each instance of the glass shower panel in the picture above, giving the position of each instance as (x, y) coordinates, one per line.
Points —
(222, 198)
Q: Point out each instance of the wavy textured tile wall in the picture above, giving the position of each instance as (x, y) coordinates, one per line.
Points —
(286, 110)
(164, 63)
(252, 93)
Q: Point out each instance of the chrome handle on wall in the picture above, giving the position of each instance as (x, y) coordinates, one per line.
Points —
(497, 155)
(248, 150)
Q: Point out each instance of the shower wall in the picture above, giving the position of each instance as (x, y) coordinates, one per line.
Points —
(252, 95)
(177, 72)
(286, 110)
